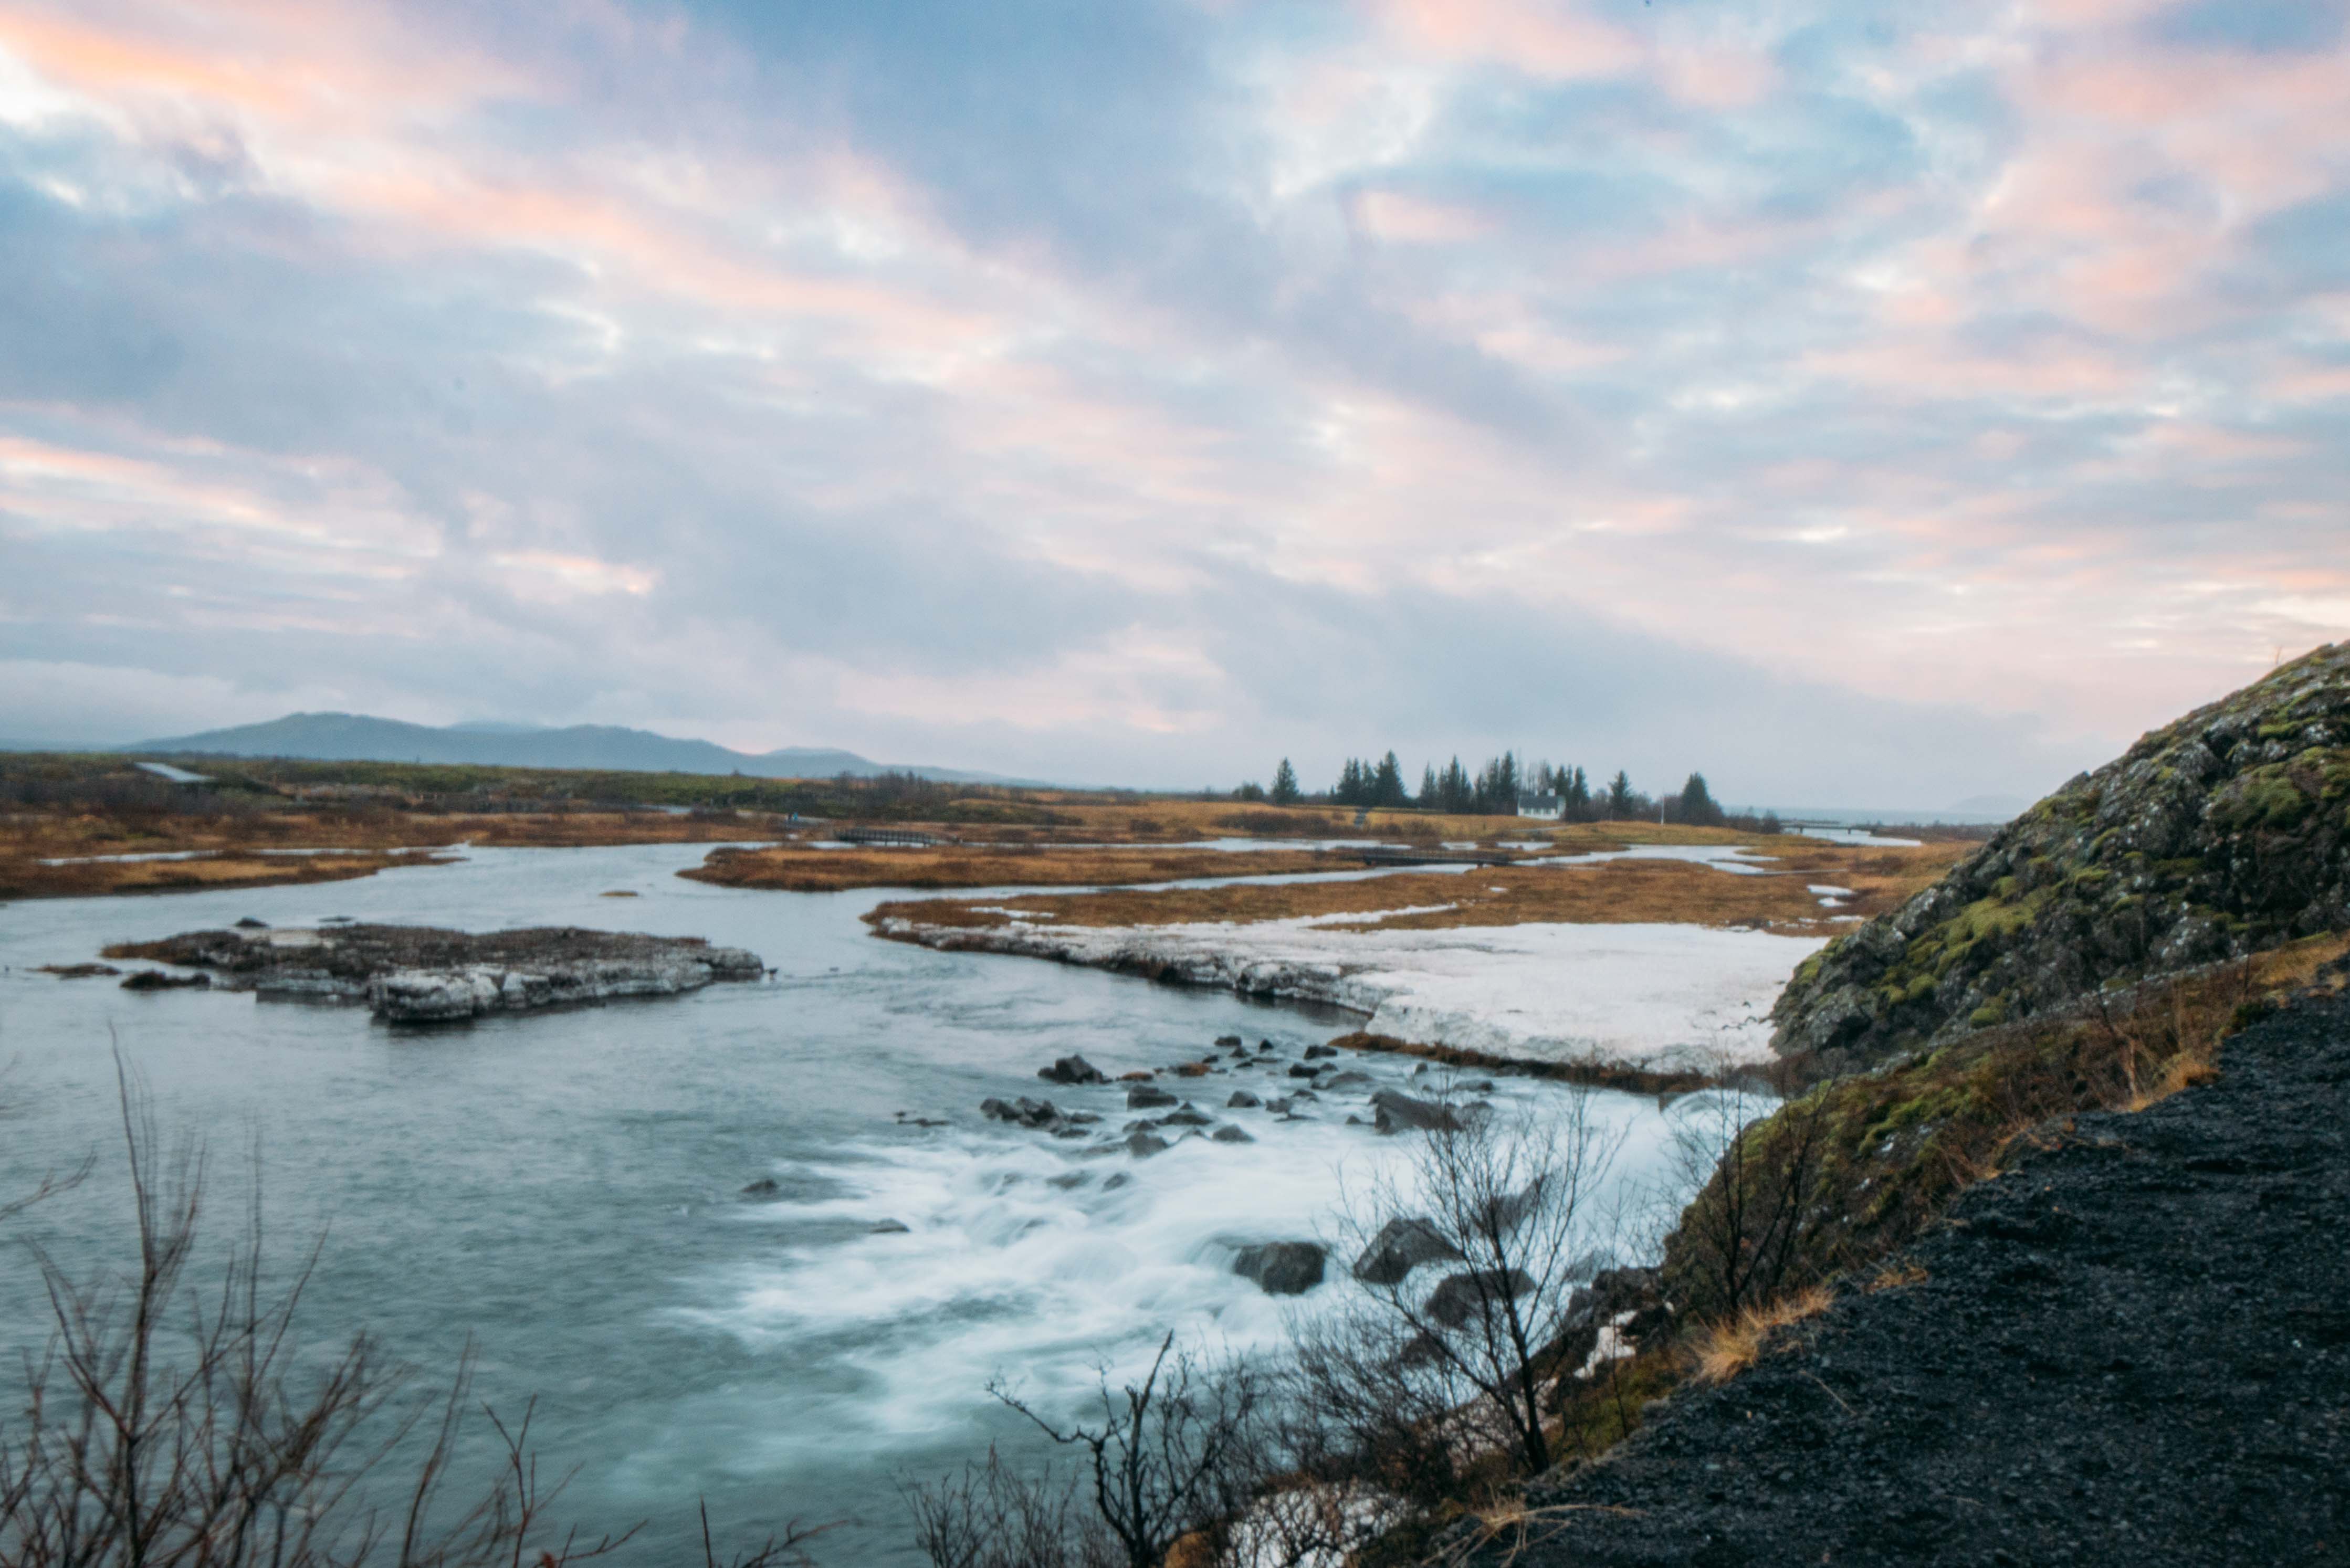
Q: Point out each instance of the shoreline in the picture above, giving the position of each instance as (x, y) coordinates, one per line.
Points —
(1662, 1007)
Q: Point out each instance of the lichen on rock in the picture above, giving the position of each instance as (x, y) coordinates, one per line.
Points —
(2224, 834)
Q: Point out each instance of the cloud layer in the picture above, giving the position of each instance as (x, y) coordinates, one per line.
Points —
(1860, 408)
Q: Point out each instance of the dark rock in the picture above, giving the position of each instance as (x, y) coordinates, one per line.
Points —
(156, 979)
(890, 1228)
(1073, 1070)
(1313, 1052)
(1022, 1112)
(1277, 1106)
(1398, 1112)
(77, 971)
(1187, 1117)
(765, 1186)
(1242, 1100)
(1143, 1145)
(1300, 1070)
(1303, 1095)
(1140, 1076)
(420, 974)
(1401, 1246)
(1343, 1082)
(1462, 1296)
(1282, 1267)
(1228, 1042)
(2221, 835)
(1146, 1098)
(250, 924)
(1231, 1135)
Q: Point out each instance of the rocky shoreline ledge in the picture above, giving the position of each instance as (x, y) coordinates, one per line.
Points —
(1653, 1000)
(420, 975)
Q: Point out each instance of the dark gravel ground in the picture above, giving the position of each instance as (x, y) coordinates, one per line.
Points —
(2132, 1348)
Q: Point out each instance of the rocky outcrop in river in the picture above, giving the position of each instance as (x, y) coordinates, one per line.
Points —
(418, 974)
(2223, 834)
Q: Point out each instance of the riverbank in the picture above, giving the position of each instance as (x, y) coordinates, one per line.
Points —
(2145, 1307)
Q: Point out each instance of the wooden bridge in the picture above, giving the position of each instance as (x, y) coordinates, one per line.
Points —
(906, 837)
(1392, 854)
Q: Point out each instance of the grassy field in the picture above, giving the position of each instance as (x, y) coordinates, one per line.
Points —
(1605, 892)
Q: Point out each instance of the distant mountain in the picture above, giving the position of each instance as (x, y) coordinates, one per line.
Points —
(356, 737)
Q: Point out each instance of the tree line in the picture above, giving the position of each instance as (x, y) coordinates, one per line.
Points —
(1498, 788)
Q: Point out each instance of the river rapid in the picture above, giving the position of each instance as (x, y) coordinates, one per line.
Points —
(566, 1189)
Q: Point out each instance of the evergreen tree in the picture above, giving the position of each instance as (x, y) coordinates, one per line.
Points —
(1387, 783)
(1697, 803)
(1284, 785)
(1620, 799)
(1430, 799)
(1576, 790)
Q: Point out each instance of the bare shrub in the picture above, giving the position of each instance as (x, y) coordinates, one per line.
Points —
(170, 1422)
(1435, 1363)
(1747, 1181)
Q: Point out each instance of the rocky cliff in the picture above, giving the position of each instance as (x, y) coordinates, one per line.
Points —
(2223, 834)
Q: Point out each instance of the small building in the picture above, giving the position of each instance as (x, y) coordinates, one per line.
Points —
(1546, 806)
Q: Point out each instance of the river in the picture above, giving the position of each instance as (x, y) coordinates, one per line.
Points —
(566, 1189)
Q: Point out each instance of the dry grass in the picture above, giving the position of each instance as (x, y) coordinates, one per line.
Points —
(794, 869)
(1607, 892)
(1729, 1347)
(231, 844)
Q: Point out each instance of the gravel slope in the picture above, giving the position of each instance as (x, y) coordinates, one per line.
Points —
(2134, 1347)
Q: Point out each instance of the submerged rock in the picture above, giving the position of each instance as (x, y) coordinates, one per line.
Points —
(1231, 1135)
(1143, 1145)
(1282, 1267)
(765, 1186)
(1022, 1112)
(890, 1228)
(1073, 1070)
(1144, 1097)
(1242, 1100)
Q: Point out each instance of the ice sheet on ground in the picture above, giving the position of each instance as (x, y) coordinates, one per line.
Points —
(1659, 996)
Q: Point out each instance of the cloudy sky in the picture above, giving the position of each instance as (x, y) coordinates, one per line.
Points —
(1870, 403)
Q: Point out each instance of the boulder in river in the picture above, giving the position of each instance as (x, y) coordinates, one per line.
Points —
(1073, 1070)
(1228, 1042)
(1241, 1100)
(1282, 1267)
(1401, 1246)
(1143, 1145)
(1187, 1115)
(1022, 1112)
(1345, 1082)
(1460, 1296)
(1228, 1134)
(890, 1228)
(156, 979)
(765, 1186)
(1145, 1097)
(1401, 1112)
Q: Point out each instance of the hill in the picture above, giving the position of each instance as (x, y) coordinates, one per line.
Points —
(2223, 834)
(357, 737)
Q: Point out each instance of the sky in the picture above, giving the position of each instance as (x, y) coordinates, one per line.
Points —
(1864, 402)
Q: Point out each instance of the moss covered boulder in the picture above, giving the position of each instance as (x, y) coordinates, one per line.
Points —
(2223, 834)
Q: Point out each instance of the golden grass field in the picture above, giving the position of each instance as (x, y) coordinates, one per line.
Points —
(231, 845)
(1604, 892)
(792, 869)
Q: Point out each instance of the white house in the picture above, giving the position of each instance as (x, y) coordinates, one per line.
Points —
(1550, 805)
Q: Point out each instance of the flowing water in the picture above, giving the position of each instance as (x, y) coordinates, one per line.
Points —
(566, 1189)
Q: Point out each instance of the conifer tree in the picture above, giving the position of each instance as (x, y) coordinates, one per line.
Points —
(1619, 796)
(1387, 783)
(1429, 798)
(1697, 803)
(1284, 785)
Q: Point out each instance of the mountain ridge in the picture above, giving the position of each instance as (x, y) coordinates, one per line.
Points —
(360, 737)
